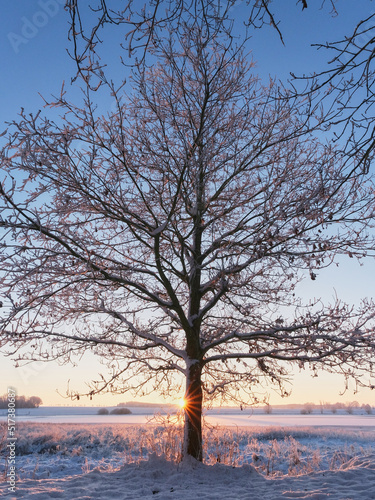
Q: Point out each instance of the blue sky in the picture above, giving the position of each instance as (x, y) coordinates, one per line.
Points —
(33, 37)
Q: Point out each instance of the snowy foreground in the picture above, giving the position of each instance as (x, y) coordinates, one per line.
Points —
(119, 461)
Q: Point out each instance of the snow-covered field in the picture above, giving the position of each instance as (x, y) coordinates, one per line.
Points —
(221, 416)
(140, 461)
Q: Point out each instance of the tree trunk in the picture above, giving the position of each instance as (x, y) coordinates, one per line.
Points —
(193, 413)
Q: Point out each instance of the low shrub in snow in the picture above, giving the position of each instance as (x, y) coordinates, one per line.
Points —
(120, 411)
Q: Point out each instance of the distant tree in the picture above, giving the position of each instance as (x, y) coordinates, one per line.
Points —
(168, 236)
(103, 411)
(350, 407)
(268, 409)
(307, 409)
(334, 408)
(21, 402)
(34, 402)
(367, 408)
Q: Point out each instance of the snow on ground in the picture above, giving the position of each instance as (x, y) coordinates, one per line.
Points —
(111, 460)
(160, 479)
(221, 416)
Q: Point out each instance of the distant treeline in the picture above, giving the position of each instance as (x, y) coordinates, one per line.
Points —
(21, 402)
(308, 408)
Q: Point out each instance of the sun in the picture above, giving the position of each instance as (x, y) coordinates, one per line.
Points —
(181, 403)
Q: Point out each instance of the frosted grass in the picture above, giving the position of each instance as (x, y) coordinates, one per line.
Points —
(60, 450)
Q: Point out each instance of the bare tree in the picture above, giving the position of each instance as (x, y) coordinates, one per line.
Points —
(142, 26)
(367, 408)
(346, 83)
(307, 409)
(169, 235)
(34, 401)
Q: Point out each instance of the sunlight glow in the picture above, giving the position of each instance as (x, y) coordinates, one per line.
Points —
(181, 403)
